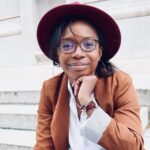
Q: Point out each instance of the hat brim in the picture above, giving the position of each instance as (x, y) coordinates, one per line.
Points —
(102, 21)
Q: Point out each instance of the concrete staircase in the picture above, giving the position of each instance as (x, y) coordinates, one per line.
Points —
(144, 97)
(138, 69)
(19, 96)
(18, 120)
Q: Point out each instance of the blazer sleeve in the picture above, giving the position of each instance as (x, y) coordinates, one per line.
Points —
(124, 130)
(43, 132)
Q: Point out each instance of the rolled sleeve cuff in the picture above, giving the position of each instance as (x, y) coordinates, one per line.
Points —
(95, 125)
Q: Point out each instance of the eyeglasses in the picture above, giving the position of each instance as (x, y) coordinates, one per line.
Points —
(70, 45)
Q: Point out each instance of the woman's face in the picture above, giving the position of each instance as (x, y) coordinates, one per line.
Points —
(79, 63)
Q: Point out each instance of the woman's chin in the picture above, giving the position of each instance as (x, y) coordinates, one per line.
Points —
(75, 75)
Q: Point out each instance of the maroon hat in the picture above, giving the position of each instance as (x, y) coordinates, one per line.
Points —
(106, 24)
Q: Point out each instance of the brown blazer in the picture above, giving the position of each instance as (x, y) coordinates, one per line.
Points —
(115, 95)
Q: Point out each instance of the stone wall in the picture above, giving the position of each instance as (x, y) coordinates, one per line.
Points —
(18, 45)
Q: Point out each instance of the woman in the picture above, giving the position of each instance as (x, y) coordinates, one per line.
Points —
(91, 105)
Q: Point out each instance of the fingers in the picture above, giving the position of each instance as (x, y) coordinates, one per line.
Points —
(84, 79)
(77, 87)
(76, 84)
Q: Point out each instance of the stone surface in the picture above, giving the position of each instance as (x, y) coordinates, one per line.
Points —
(21, 140)
(19, 97)
(25, 78)
(18, 117)
(14, 147)
(144, 117)
(147, 139)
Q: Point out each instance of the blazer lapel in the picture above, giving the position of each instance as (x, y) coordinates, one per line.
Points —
(103, 97)
(60, 121)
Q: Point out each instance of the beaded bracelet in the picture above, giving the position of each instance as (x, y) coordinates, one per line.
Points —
(89, 106)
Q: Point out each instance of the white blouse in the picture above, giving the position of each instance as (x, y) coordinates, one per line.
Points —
(86, 132)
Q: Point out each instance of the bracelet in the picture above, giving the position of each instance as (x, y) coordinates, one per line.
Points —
(89, 106)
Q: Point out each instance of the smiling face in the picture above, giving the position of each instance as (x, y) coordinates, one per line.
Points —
(79, 63)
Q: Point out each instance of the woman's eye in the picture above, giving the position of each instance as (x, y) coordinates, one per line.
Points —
(66, 45)
(88, 44)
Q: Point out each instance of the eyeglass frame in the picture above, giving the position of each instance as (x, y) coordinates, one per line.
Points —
(78, 44)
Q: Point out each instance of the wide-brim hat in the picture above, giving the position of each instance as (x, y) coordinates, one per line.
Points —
(104, 22)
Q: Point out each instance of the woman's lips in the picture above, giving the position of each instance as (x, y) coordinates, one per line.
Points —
(78, 65)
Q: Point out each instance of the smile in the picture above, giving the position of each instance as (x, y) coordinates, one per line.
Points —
(79, 64)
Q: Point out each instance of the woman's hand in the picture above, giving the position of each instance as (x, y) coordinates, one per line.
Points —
(83, 88)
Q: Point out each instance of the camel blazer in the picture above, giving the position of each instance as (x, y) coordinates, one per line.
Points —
(114, 94)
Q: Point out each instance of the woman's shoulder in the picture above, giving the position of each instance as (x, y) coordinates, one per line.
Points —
(51, 82)
(121, 77)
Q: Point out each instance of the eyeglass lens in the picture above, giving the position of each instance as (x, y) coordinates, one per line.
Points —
(69, 46)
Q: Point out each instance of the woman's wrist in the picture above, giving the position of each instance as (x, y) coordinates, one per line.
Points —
(84, 100)
(88, 107)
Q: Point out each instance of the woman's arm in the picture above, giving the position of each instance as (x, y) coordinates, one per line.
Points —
(123, 130)
(43, 132)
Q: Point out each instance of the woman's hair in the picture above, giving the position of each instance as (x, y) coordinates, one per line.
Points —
(103, 69)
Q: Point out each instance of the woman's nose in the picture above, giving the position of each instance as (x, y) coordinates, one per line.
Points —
(78, 52)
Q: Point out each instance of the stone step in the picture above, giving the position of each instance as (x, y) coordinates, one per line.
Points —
(18, 116)
(144, 97)
(31, 78)
(16, 139)
(19, 97)
(25, 117)
(141, 81)
(133, 66)
(25, 140)
(33, 96)
(25, 78)
(146, 135)
(144, 117)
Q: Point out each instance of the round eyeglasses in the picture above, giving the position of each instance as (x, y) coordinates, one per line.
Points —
(70, 45)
